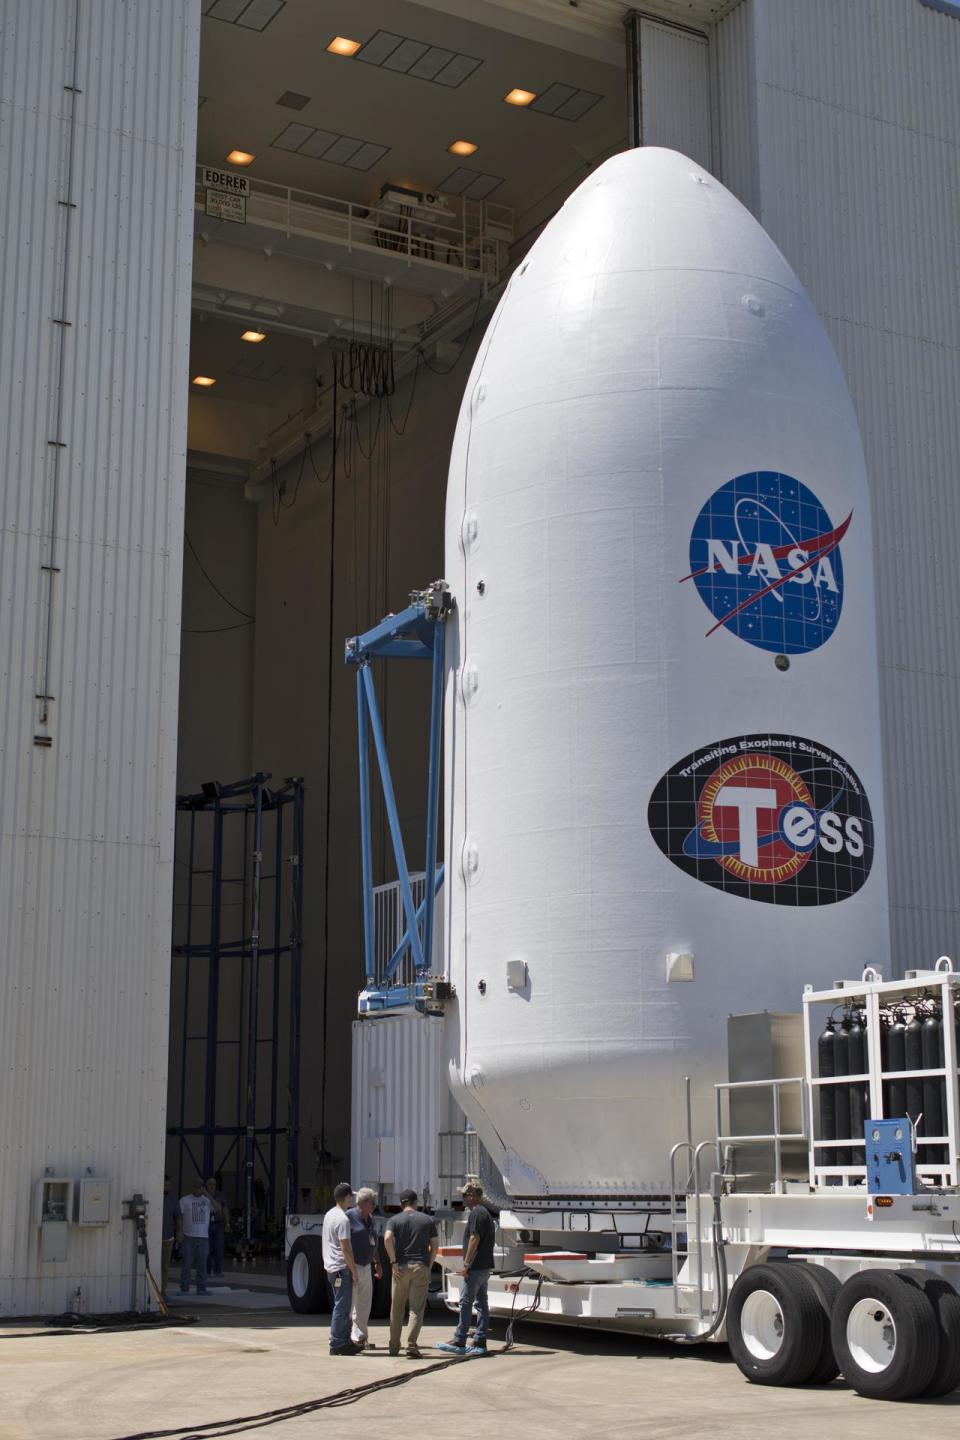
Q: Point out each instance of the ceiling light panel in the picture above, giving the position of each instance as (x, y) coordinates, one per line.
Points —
(565, 102)
(248, 14)
(293, 100)
(342, 45)
(326, 145)
(417, 58)
(472, 184)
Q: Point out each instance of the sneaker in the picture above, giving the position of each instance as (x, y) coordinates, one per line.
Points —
(413, 1352)
(350, 1349)
(477, 1350)
(450, 1348)
(394, 1351)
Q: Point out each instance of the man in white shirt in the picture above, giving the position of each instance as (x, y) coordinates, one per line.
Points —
(194, 1228)
(341, 1269)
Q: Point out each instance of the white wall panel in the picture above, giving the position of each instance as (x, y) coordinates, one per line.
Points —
(859, 171)
(397, 1061)
(86, 824)
(675, 90)
(735, 79)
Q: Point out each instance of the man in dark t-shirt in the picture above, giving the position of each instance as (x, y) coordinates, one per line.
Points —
(478, 1238)
(411, 1242)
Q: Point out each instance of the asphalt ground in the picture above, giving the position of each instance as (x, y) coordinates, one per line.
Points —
(237, 1369)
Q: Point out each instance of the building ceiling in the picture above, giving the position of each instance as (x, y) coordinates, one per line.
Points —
(407, 123)
(431, 72)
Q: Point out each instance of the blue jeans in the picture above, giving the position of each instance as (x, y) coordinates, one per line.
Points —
(474, 1292)
(194, 1258)
(341, 1282)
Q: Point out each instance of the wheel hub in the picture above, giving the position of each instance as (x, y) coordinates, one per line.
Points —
(871, 1335)
(761, 1324)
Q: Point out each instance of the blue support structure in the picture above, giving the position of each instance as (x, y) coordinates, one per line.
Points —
(417, 633)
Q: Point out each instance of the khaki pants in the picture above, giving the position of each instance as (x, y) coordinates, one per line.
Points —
(362, 1300)
(410, 1286)
(166, 1252)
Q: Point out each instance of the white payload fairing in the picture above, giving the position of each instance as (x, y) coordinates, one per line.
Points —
(664, 793)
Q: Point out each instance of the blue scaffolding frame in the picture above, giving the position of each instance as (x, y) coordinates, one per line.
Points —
(416, 633)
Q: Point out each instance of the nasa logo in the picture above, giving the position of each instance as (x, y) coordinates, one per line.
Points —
(772, 818)
(765, 558)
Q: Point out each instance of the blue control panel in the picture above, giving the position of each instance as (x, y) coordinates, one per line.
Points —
(890, 1167)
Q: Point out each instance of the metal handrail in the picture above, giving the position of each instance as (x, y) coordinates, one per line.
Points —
(418, 238)
(778, 1136)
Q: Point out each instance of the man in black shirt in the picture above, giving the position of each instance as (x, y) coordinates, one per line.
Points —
(478, 1238)
(411, 1242)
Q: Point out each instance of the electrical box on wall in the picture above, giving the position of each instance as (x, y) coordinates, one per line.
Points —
(53, 1214)
(93, 1201)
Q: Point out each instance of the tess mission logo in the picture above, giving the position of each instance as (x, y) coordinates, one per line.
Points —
(765, 559)
(778, 819)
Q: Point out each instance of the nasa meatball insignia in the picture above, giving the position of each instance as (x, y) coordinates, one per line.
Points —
(772, 818)
(765, 558)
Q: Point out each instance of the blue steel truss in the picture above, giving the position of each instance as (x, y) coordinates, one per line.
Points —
(417, 633)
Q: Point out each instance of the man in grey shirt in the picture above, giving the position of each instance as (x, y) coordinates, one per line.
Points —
(411, 1242)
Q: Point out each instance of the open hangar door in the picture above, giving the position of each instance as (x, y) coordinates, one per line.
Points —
(365, 186)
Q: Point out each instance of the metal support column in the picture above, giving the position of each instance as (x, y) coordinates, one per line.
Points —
(417, 633)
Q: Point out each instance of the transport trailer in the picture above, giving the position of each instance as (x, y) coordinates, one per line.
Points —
(853, 1268)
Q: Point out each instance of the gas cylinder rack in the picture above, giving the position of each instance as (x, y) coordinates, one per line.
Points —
(910, 1027)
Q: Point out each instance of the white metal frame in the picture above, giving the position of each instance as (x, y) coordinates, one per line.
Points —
(874, 994)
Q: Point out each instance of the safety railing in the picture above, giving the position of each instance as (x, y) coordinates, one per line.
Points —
(441, 236)
(459, 1157)
(390, 926)
(686, 1246)
(776, 1136)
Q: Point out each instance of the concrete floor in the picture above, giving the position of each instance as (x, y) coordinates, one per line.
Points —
(199, 1381)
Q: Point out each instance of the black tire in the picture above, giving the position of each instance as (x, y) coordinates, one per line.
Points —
(307, 1288)
(946, 1305)
(382, 1288)
(885, 1335)
(828, 1288)
(775, 1324)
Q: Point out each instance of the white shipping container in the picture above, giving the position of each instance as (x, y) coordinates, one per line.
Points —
(401, 1106)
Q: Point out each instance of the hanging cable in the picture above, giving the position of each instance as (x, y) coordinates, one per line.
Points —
(217, 629)
(325, 983)
(213, 586)
(448, 369)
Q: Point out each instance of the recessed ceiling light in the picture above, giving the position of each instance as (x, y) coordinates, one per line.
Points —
(340, 45)
(462, 147)
(254, 336)
(240, 157)
(520, 97)
(204, 381)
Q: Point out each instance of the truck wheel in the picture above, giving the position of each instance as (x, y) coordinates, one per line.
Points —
(382, 1288)
(946, 1305)
(885, 1335)
(775, 1324)
(306, 1279)
(827, 1287)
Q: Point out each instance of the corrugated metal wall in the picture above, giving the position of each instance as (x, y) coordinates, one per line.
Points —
(675, 90)
(735, 85)
(398, 1061)
(92, 453)
(848, 119)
